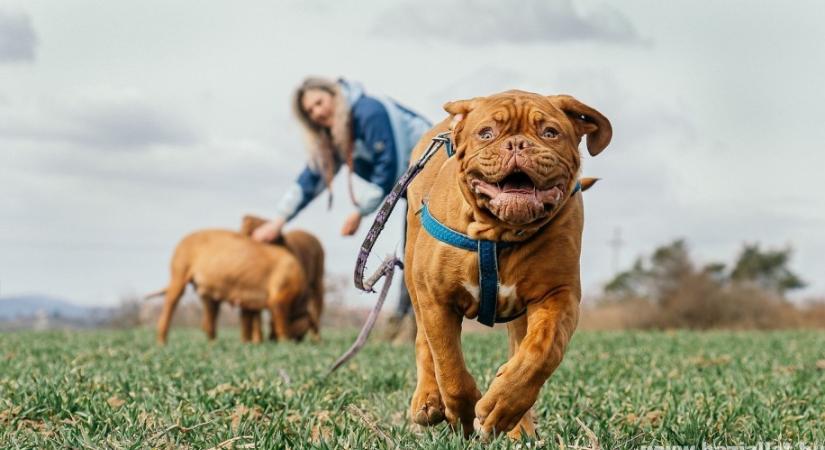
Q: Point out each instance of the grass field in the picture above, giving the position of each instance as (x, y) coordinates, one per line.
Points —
(117, 389)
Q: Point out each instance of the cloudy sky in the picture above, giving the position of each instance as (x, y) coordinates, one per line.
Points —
(126, 125)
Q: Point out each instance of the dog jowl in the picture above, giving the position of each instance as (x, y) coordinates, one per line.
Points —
(512, 180)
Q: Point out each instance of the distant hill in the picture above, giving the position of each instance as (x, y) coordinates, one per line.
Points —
(25, 306)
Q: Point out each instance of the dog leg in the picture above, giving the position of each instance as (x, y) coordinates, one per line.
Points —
(284, 292)
(314, 308)
(173, 294)
(280, 326)
(316, 302)
(426, 407)
(442, 327)
(256, 325)
(246, 325)
(210, 317)
(550, 324)
(516, 331)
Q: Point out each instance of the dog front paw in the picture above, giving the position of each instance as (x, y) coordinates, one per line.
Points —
(426, 407)
(505, 410)
(464, 423)
(526, 427)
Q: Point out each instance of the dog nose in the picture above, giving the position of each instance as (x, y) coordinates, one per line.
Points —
(516, 143)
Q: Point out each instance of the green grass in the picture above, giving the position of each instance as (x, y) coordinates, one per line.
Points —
(117, 389)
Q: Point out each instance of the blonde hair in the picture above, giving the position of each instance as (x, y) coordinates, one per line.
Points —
(325, 144)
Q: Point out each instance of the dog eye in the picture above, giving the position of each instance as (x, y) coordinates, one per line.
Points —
(485, 134)
(549, 133)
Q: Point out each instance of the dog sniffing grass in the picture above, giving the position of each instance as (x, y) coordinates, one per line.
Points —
(116, 389)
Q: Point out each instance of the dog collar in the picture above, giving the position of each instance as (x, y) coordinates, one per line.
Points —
(488, 279)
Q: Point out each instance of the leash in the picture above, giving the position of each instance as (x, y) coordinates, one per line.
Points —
(391, 262)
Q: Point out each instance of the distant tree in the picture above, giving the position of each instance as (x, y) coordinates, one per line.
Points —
(669, 265)
(668, 290)
(716, 271)
(767, 269)
(630, 283)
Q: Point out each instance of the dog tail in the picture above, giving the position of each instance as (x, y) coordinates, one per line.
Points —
(588, 182)
(154, 294)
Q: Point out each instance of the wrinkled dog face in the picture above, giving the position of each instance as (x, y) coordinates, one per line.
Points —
(519, 154)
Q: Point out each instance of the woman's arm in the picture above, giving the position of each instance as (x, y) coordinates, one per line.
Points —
(308, 185)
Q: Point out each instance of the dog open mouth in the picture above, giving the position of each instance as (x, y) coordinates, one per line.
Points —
(516, 200)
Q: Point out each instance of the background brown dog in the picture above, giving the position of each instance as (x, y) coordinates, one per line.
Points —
(307, 248)
(227, 266)
(511, 180)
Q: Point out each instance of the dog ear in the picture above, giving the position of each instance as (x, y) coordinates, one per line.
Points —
(249, 223)
(460, 106)
(586, 121)
(458, 110)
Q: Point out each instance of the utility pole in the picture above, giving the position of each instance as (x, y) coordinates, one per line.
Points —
(616, 245)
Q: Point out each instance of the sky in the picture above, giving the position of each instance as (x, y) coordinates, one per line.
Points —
(126, 125)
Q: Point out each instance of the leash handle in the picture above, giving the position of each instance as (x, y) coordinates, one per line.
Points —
(386, 210)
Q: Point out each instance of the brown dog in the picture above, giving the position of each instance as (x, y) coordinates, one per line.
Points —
(512, 181)
(307, 248)
(227, 266)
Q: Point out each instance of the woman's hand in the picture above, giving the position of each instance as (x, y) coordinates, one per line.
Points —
(269, 231)
(351, 224)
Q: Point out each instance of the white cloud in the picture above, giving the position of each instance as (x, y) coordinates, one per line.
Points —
(127, 122)
(494, 22)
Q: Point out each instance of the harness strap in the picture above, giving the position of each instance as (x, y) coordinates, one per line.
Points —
(445, 234)
(487, 264)
(488, 282)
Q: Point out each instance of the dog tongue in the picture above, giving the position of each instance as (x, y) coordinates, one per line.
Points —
(516, 207)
